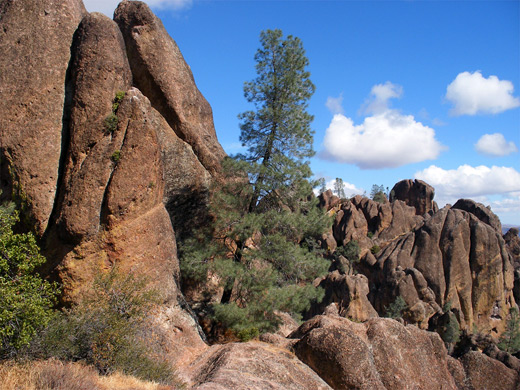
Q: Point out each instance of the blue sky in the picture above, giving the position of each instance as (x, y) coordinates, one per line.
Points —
(404, 89)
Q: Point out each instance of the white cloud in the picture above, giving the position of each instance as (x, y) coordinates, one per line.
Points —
(380, 96)
(350, 189)
(469, 182)
(495, 145)
(385, 140)
(108, 6)
(335, 105)
(509, 205)
(473, 94)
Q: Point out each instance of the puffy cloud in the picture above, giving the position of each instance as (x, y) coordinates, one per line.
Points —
(473, 94)
(385, 140)
(335, 104)
(108, 6)
(469, 182)
(495, 145)
(380, 96)
(508, 205)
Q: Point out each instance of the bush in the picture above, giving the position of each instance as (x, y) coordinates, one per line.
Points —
(375, 249)
(117, 100)
(349, 251)
(116, 156)
(26, 299)
(105, 330)
(396, 308)
(111, 122)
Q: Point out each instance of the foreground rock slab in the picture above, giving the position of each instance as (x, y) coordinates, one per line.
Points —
(378, 354)
(252, 366)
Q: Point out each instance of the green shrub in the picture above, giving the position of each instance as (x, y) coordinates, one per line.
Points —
(375, 249)
(26, 299)
(116, 156)
(107, 328)
(370, 234)
(396, 308)
(350, 251)
(111, 122)
(117, 100)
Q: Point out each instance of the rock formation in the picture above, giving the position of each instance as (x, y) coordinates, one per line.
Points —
(109, 149)
(35, 41)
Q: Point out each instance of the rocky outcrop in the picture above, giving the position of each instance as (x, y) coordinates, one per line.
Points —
(168, 81)
(35, 40)
(480, 211)
(415, 193)
(349, 292)
(372, 223)
(378, 354)
(476, 371)
(254, 366)
(453, 258)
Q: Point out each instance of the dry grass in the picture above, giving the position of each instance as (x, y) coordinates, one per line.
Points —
(56, 375)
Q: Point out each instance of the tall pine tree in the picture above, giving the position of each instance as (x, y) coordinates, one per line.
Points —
(262, 242)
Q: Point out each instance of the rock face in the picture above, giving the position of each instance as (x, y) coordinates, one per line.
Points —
(253, 366)
(454, 257)
(415, 193)
(168, 81)
(378, 354)
(35, 40)
(99, 70)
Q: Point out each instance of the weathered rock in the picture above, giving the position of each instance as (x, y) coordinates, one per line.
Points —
(480, 211)
(35, 40)
(327, 200)
(253, 366)
(485, 373)
(349, 292)
(415, 193)
(454, 257)
(161, 73)
(99, 70)
(378, 354)
(513, 245)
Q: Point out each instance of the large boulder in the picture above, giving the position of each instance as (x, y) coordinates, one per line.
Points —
(378, 354)
(252, 366)
(480, 211)
(415, 193)
(484, 373)
(35, 40)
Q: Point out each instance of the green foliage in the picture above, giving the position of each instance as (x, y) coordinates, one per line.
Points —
(26, 299)
(107, 328)
(370, 234)
(111, 122)
(375, 249)
(510, 339)
(116, 156)
(277, 134)
(322, 184)
(339, 188)
(378, 193)
(350, 251)
(450, 329)
(117, 100)
(396, 308)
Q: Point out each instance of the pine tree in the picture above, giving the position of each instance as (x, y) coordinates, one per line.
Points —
(277, 133)
(339, 187)
(262, 241)
(510, 339)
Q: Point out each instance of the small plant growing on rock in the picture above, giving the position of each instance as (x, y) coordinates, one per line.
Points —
(396, 308)
(117, 101)
(375, 249)
(111, 122)
(116, 156)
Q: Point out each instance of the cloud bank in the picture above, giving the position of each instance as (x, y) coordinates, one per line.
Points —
(470, 182)
(495, 145)
(387, 139)
(472, 94)
(108, 6)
